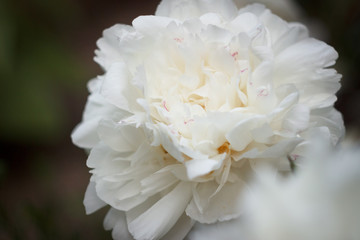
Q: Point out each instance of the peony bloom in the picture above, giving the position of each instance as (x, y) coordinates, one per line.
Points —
(192, 101)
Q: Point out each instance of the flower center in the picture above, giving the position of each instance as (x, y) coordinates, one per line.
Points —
(188, 78)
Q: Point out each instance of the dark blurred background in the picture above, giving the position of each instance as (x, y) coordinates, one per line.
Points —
(46, 59)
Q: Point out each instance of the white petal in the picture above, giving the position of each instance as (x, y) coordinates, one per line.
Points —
(225, 205)
(170, 143)
(218, 35)
(275, 26)
(116, 221)
(245, 22)
(179, 9)
(157, 182)
(150, 25)
(304, 56)
(117, 89)
(111, 218)
(120, 137)
(181, 228)
(159, 219)
(254, 8)
(240, 136)
(289, 97)
(199, 167)
(261, 90)
(228, 230)
(92, 202)
(185, 9)
(225, 8)
(332, 119)
(295, 33)
(129, 190)
(211, 19)
(85, 134)
(109, 51)
(101, 156)
(145, 153)
(109, 192)
(263, 133)
(297, 119)
(281, 149)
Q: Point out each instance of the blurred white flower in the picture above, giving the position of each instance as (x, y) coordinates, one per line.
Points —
(320, 202)
(193, 99)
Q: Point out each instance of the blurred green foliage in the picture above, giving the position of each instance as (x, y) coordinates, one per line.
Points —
(34, 66)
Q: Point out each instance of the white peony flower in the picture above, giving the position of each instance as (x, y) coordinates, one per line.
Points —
(320, 202)
(193, 99)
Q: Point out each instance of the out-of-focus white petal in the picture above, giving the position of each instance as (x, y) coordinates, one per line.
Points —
(325, 187)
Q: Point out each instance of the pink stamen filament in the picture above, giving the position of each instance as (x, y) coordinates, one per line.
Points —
(164, 105)
(263, 93)
(188, 121)
(178, 39)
